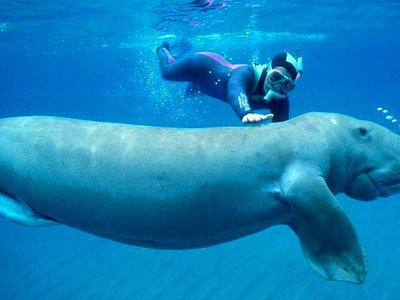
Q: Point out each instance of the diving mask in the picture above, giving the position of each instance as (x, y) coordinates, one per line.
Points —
(279, 82)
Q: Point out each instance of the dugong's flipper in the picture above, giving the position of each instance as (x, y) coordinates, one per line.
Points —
(18, 211)
(327, 237)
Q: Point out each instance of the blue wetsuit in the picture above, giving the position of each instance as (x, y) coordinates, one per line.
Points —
(210, 74)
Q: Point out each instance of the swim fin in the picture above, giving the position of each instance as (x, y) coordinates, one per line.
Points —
(178, 47)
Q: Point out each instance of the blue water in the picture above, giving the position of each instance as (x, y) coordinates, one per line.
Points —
(96, 60)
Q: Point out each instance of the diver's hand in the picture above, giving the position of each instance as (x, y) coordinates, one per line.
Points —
(256, 118)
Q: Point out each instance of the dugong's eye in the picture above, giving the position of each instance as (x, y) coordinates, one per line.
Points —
(363, 131)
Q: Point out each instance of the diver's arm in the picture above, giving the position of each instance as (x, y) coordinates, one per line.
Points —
(238, 88)
(256, 118)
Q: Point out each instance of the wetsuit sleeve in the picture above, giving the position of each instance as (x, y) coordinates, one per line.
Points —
(280, 109)
(239, 86)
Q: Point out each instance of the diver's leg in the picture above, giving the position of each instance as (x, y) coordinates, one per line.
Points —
(195, 67)
(183, 69)
(207, 71)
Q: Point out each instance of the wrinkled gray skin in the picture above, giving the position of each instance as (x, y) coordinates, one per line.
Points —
(173, 188)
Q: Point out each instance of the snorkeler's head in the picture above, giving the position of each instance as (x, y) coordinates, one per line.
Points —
(287, 61)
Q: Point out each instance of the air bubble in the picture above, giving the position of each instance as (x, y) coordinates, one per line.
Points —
(388, 117)
(3, 27)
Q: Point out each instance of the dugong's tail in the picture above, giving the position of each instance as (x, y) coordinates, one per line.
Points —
(18, 211)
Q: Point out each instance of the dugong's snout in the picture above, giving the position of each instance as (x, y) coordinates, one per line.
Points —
(386, 180)
(385, 175)
(385, 168)
(375, 183)
(378, 171)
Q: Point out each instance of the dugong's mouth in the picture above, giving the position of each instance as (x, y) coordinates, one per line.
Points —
(378, 187)
(372, 184)
(385, 184)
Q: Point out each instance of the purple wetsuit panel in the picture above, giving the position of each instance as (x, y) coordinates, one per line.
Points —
(219, 59)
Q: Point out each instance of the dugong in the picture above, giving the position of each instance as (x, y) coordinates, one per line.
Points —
(171, 188)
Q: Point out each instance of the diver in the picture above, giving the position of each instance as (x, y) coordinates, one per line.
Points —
(246, 87)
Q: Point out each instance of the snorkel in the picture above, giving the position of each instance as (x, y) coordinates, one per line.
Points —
(273, 95)
(299, 61)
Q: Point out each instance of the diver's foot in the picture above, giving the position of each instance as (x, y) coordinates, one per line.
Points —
(164, 44)
(179, 47)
